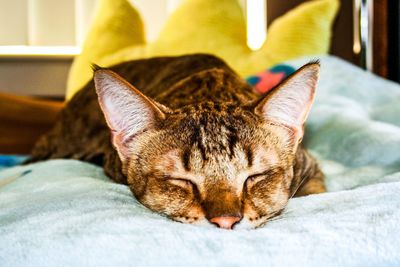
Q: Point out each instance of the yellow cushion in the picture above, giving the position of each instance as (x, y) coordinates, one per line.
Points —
(218, 28)
(116, 25)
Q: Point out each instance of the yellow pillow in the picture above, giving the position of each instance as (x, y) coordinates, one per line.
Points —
(116, 25)
(218, 27)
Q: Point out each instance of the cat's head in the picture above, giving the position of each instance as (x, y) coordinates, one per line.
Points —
(216, 163)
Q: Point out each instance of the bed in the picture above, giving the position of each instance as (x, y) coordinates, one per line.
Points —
(68, 213)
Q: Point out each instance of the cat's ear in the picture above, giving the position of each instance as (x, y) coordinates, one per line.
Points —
(127, 111)
(290, 102)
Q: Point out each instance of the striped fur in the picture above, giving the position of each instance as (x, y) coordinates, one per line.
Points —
(212, 152)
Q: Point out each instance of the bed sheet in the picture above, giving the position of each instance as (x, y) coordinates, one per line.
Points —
(68, 213)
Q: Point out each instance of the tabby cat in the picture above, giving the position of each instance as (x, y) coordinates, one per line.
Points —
(192, 140)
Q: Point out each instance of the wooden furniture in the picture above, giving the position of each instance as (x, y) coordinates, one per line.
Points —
(344, 32)
(23, 120)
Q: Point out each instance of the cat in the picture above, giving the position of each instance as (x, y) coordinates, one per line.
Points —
(192, 140)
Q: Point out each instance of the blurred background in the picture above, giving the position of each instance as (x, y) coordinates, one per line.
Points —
(39, 38)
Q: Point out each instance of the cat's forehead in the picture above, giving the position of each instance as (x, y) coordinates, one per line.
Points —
(208, 135)
(219, 133)
(212, 142)
(183, 162)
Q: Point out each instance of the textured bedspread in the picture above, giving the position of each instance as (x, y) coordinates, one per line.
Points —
(67, 213)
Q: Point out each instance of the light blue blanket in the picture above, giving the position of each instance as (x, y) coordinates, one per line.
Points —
(68, 213)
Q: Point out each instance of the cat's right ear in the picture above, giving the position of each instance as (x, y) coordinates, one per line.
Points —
(290, 102)
(127, 111)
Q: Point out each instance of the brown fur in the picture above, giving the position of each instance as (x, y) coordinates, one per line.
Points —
(211, 154)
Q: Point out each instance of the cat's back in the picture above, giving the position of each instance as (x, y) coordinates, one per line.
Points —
(155, 75)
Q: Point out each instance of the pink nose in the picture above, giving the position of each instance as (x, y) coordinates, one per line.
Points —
(225, 222)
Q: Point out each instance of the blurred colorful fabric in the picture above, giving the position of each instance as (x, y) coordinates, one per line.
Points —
(268, 79)
(11, 160)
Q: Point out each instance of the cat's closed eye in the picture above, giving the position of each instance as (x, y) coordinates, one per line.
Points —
(184, 183)
(258, 177)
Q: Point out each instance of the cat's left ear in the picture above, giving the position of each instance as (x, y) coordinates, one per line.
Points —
(290, 102)
(127, 111)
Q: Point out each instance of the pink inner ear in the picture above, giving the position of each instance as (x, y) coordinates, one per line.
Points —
(289, 107)
(120, 144)
(290, 103)
(127, 111)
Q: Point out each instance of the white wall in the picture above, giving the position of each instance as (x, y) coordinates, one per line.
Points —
(41, 23)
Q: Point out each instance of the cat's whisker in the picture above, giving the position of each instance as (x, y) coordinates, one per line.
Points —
(298, 187)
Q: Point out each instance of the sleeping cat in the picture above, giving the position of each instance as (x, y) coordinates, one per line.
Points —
(191, 139)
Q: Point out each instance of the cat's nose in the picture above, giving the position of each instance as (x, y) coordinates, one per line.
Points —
(225, 222)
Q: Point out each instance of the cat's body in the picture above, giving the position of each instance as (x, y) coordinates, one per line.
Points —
(205, 135)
